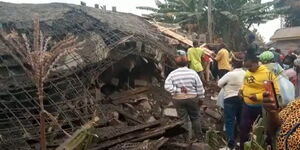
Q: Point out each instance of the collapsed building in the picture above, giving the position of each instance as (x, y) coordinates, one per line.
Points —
(120, 51)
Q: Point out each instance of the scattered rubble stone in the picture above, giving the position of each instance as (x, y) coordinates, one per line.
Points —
(170, 112)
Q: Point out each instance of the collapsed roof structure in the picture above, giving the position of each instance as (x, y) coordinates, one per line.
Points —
(109, 37)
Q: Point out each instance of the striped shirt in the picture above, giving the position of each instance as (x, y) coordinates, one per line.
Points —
(184, 83)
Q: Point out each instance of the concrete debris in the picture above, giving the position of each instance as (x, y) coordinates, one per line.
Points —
(151, 119)
(170, 104)
(214, 98)
(139, 83)
(213, 113)
(146, 105)
(112, 77)
(170, 112)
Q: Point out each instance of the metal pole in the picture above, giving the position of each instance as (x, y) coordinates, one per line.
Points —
(209, 22)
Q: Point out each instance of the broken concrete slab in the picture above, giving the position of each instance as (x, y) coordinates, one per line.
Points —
(127, 93)
(170, 112)
(146, 105)
(142, 83)
(131, 99)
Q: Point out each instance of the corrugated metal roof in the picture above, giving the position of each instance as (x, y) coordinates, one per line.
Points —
(292, 33)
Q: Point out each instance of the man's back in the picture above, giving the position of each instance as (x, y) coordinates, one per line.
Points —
(223, 59)
(232, 82)
(184, 81)
(194, 57)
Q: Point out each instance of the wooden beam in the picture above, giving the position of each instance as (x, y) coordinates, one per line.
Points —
(178, 37)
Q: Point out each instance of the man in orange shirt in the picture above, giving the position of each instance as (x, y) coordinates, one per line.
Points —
(223, 61)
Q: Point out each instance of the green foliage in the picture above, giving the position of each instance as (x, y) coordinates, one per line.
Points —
(257, 136)
(178, 11)
(292, 12)
(214, 139)
(82, 138)
(232, 18)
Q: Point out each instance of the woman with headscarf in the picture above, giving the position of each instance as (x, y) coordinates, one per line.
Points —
(267, 59)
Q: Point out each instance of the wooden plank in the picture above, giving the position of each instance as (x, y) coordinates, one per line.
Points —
(131, 99)
(157, 131)
(137, 136)
(108, 133)
(128, 93)
(124, 138)
(126, 115)
(179, 37)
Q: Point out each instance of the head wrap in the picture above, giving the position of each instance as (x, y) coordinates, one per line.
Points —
(181, 53)
(266, 57)
(297, 62)
(272, 49)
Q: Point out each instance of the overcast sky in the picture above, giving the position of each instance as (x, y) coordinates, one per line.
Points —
(266, 30)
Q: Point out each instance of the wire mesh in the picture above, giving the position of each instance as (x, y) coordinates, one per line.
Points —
(67, 94)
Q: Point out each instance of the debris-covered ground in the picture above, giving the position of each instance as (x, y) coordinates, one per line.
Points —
(145, 118)
(80, 111)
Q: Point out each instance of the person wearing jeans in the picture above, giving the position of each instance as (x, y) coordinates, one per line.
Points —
(186, 89)
(232, 117)
(232, 83)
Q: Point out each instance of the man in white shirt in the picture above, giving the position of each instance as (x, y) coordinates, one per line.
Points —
(232, 83)
(186, 89)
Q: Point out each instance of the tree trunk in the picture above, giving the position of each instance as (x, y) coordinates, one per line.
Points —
(209, 20)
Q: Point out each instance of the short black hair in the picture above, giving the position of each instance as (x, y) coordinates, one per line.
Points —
(251, 57)
(181, 61)
(180, 47)
(278, 50)
(251, 37)
(195, 43)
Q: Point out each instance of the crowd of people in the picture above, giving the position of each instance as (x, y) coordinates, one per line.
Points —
(242, 76)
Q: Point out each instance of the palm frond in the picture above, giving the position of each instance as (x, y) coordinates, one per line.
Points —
(229, 15)
(147, 8)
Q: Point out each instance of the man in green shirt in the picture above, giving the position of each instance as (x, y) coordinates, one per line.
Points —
(195, 55)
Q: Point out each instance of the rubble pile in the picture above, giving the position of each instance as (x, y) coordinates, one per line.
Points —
(145, 116)
(134, 112)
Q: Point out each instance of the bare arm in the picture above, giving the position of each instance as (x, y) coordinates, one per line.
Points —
(223, 81)
(219, 56)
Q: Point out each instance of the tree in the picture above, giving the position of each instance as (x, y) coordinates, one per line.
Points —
(232, 18)
(190, 14)
(292, 14)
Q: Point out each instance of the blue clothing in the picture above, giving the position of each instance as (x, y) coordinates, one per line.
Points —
(232, 116)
